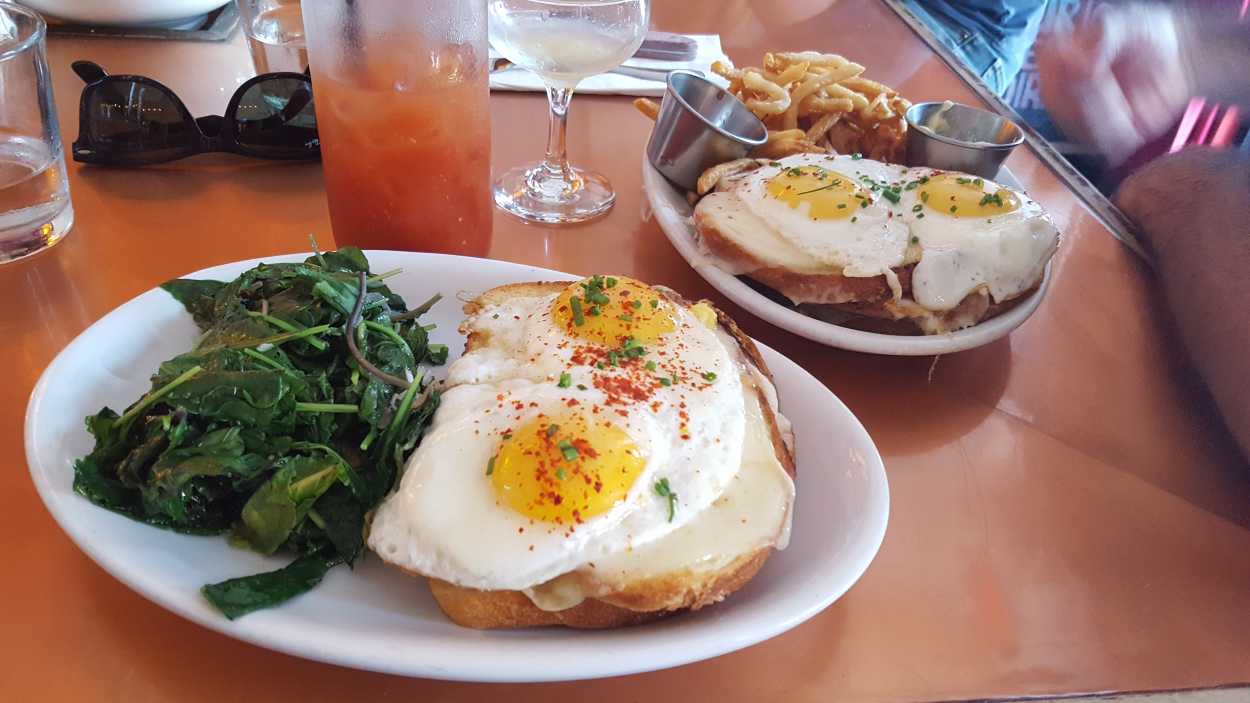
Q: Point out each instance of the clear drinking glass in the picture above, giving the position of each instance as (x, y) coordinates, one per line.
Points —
(403, 112)
(275, 35)
(562, 41)
(35, 211)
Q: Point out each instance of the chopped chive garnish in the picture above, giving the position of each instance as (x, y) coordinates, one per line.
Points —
(552, 429)
(490, 466)
(709, 376)
(611, 282)
(650, 366)
(568, 450)
(581, 387)
(663, 490)
(626, 317)
(665, 382)
(637, 305)
(816, 190)
(561, 474)
(890, 195)
(575, 304)
(655, 303)
(994, 198)
(565, 380)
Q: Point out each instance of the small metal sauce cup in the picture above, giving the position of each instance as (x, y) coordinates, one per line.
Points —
(699, 126)
(966, 139)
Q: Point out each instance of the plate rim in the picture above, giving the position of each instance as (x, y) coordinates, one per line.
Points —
(80, 535)
(681, 235)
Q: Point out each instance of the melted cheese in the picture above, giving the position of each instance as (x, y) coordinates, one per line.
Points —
(1006, 254)
(761, 243)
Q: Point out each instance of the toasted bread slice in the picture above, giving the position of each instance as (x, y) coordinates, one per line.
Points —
(643, 600)
(805, 283)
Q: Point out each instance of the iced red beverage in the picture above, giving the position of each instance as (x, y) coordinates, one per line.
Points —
(404, 121)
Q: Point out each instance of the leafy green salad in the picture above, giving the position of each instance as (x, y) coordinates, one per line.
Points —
(284, 426)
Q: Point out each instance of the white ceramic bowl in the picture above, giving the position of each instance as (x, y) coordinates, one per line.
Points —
(124, 12)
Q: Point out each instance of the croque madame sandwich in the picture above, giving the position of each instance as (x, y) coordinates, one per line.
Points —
(940, 250)
(605, 453)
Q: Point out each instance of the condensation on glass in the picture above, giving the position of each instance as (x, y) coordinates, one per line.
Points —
(275, 35)
(403, 113)
(35, 210)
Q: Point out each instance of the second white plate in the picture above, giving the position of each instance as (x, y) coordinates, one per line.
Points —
(673, 213)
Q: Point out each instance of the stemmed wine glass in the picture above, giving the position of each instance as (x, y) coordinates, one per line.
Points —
(562, 41)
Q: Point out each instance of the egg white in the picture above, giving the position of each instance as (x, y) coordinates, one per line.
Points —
(445, 519)
(1006, 253)
(867, 243)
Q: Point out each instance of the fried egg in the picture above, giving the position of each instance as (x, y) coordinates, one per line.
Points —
(814, 213)
(825, 207)
(972, 232)
(582, 425)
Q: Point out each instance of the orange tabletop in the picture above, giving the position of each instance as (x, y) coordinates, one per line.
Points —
(1067, 515)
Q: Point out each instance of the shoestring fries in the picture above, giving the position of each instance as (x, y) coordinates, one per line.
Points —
(816, 103)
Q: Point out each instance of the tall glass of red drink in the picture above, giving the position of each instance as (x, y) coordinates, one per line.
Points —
(403, 115)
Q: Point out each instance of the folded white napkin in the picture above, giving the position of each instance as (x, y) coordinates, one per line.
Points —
(516, 78)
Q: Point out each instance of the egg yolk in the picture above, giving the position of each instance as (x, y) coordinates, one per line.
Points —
(565, 470)
(608, 310)
(829, 194)
(966, 196)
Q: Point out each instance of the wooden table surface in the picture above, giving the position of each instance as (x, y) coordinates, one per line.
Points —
(1066, 515)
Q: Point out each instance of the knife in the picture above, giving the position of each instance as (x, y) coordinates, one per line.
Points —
(666, 46)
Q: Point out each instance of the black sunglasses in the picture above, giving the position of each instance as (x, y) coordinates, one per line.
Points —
(134, 120)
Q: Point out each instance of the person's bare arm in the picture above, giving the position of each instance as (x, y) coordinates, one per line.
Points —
(1121, 76)
(1193, 210)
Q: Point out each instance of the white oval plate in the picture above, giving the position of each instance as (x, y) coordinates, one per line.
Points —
(379, 619)
(673, 212)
